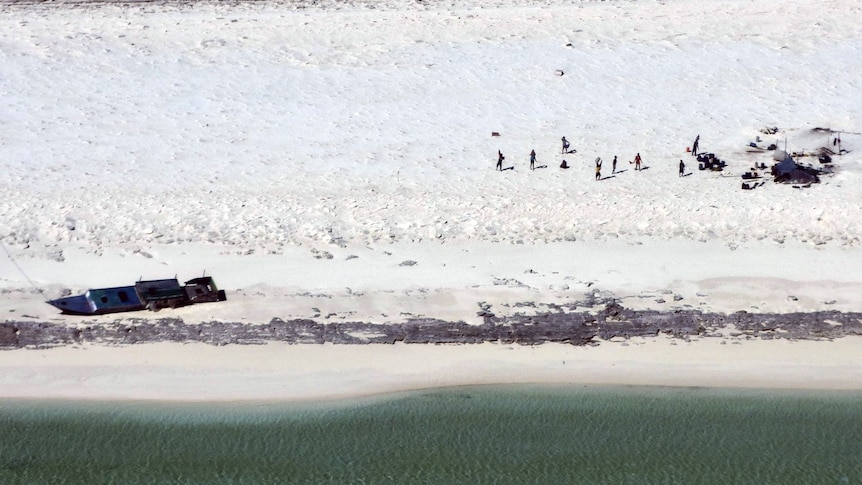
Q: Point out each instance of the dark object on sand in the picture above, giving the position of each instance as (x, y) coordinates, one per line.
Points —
(754, 147)
(152, 295)
(787, 171)
(708, 161)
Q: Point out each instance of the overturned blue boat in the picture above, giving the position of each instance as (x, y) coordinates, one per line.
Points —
(152, 295)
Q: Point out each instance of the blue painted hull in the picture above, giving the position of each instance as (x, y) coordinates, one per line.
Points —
(154, 295)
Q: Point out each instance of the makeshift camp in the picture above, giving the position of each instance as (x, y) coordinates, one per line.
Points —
(787, 171)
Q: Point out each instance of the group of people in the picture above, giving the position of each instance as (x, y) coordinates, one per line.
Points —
(567, 149)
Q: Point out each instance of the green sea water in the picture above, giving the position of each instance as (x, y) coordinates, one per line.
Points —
(469, 435)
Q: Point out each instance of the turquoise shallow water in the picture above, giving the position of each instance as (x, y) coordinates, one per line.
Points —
(508, 434)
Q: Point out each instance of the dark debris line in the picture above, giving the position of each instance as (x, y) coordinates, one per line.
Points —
(575, 328)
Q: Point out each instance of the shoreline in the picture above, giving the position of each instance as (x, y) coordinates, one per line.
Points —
(297, 373)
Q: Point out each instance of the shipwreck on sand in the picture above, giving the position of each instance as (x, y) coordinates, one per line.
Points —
(152, 295)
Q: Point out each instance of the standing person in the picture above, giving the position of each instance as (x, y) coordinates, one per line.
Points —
(500, 158)
(565, 145)
(598, 168)
(638, 161)
(614, 165)
(532, 159)
(681, 168)
(694, 146)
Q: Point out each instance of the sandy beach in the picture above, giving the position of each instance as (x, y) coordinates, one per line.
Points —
(335, 162)
(198, 372)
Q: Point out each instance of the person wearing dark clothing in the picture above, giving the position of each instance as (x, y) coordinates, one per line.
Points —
(564, 164)
(614, 165)
(565, 145)
(500, 158)
(598, 168)
(638, 161)
(681, 168)
(532, 159)
(694, 146)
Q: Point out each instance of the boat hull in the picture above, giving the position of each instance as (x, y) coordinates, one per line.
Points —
(153, 295)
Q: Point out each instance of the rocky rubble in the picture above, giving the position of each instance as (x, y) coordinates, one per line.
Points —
(612, 321)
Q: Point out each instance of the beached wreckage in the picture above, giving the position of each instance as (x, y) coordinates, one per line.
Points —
(152, 295)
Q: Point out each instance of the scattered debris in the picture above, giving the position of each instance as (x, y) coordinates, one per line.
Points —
(747, 186)
(318, 254)
(708, 161)
(830, 130)
(755, 147)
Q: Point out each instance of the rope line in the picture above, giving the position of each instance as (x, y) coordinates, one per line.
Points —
(21, 270)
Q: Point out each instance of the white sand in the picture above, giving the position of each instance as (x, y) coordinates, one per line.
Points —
(277, 371)
(301, 155)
